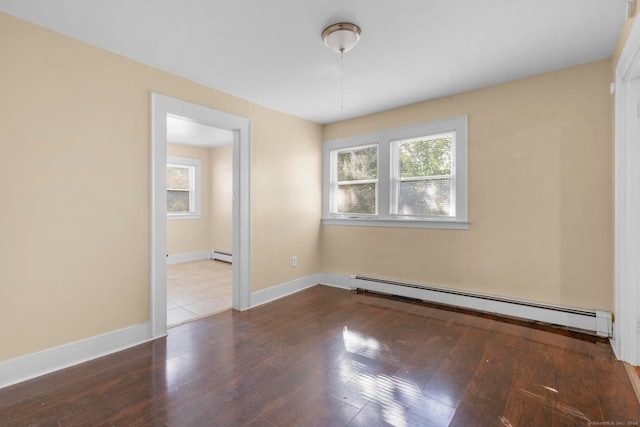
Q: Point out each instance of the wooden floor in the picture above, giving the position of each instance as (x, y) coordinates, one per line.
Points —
(329, 357)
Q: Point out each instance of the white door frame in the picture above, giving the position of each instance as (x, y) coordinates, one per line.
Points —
(161, 105)
(627, 201)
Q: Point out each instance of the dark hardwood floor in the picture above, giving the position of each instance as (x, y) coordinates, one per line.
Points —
(329, 357)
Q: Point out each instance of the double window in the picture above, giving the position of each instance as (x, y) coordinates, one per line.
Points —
(413, 176)
(183, 187)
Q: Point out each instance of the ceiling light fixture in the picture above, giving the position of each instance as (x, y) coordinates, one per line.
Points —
(341, 38)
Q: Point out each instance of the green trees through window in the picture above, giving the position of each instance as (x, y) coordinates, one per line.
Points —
(424, 179)
(357, 178)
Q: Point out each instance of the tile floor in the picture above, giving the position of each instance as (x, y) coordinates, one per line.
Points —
(197, 289)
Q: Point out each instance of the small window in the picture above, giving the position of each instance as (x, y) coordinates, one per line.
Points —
(414, 176)
(183, 188)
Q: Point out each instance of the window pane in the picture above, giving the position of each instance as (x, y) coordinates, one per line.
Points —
(360, 163)
(177, 201)
(429, 197)
(357, 199)
(425, 157)
(178, 177)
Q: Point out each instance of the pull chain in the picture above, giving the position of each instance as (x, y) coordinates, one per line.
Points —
(341, 80)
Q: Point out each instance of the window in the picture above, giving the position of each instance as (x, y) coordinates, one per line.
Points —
(413, 176)
(354, 188)
(422, 176)
(183, 188)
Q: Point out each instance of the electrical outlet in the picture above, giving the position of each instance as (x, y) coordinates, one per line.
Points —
(294, 261)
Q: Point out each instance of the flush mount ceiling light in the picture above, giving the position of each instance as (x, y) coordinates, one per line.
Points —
(341, 38)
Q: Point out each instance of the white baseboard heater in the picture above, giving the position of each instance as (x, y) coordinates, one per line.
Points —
(221, 256)
(595, 321)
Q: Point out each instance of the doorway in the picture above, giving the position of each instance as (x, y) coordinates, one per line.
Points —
(199, 220)
(164, 107)
(626, 334)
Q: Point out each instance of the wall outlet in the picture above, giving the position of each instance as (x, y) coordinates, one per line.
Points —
(294, 261)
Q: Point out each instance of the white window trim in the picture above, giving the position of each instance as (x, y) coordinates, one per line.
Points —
(384, 140)
(196, 200)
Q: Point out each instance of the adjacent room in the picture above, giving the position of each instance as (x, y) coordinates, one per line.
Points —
(199, 220)
(331, 213)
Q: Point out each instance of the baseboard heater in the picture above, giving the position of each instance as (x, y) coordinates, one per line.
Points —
(594, 321)
(221, 256)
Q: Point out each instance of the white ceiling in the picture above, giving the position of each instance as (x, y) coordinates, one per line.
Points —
(181, 130)
(270, 52)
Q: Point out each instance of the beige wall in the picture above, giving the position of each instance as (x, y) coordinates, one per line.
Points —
(286, 200)
(221, 159)
(540, 195)
(192, 235)
(74, 223)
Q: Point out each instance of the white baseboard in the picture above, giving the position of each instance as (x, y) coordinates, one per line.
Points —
(188, 257)
(33, 365)
(282, 290)
(264, 296)
(222, 256)
(335, 280)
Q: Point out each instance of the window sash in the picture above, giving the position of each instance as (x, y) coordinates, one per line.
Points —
(336, 183)
(422, 203)
(189, 175)
(424, 178)
(354, 212)
(358, 181)
(398, 212)
(170, 208)
(191, 170)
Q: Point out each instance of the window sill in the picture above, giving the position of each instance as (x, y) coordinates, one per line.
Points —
(183, 216)
(398, 223)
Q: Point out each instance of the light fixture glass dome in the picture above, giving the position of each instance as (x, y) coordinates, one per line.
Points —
(341, 37)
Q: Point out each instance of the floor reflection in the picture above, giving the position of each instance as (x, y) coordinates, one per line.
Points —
(393, 394)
